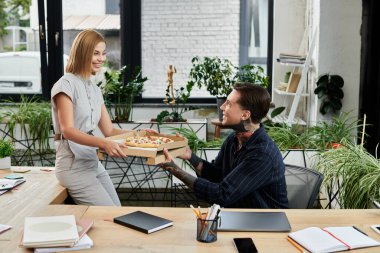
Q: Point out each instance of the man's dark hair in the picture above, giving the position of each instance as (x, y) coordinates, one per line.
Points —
(254, 98)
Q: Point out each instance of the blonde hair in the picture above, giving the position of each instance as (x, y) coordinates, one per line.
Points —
(81, 52)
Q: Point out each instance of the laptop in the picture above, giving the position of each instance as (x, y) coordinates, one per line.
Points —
(254, 221)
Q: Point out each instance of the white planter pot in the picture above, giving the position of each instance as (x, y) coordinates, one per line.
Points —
(5, 163)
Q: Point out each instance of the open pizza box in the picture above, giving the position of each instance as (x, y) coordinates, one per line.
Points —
(154, 155)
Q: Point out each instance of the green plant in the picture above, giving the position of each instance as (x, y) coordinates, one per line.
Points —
(343, 126)
(218, 75)
(213, 73)
(122, 94)
(6, 148)
(194, 142)
(178, 108)
(329, 90)
(33, 113)
(251, 74)
(354, 171)
(290, 137)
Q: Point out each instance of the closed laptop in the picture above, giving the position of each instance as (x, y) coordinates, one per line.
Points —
(254, 221)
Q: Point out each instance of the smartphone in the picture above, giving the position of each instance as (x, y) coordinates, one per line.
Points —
(245, 245)
(376, 228)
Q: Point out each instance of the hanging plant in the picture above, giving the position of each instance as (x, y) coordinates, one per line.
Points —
(329, 90)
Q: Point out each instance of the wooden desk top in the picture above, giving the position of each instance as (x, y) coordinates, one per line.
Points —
(40, 189)
(111, 237)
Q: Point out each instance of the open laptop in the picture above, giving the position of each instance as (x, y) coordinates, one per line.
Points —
(254, 221)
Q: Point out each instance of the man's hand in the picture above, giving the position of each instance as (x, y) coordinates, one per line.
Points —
(187, 154)
(173, 168)
(113, 148)
(168, 156)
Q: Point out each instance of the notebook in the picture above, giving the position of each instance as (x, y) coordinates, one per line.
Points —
(143, 222)
(84, 243)
(83, 225)
(332, 239)
(8, 184)
(51, 231)
(254, 221)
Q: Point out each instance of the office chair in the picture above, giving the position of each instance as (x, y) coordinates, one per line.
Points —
(302, 185)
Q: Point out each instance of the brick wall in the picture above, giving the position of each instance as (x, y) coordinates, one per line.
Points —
(174, 31)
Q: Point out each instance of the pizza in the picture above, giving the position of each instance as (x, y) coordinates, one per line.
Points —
(146, 141)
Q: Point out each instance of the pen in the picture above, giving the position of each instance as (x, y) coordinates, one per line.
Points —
(359, 230)
(295, 244)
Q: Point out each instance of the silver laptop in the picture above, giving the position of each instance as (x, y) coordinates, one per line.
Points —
(254, 221)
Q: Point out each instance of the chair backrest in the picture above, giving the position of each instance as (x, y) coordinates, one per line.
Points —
(303, 186)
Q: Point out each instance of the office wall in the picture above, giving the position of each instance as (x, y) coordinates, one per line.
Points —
(173, 32)
(337, 49)
(340, 45)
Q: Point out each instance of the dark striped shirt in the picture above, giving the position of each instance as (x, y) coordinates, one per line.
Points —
(253, 177)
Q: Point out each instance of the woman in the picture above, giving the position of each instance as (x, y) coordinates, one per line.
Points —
(78, 108)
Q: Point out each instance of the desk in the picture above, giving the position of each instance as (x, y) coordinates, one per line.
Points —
(40, 189)
(111, 237)
(218, 125)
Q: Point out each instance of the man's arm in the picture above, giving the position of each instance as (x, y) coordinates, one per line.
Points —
(197, 163)
(185, 177)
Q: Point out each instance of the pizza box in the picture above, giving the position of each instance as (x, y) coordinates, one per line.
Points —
(178, 143)
(160, 158)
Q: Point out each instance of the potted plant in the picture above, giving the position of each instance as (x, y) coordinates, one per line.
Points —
(252, 74)
(32, 119)
(6, 150)
(214, 74)
(328, 135)
(177, 108)
(329, 90)
(352, 173)
(122, 94)
(218, 76)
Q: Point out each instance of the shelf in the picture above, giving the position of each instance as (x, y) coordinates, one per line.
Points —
(284, 119)
(280, 92)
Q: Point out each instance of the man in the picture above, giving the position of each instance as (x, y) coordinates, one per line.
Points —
(248, 171)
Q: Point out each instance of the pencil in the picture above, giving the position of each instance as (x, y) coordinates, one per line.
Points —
(196, 212)
(295, 244)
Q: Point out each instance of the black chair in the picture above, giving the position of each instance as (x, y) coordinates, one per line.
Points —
(303, 186)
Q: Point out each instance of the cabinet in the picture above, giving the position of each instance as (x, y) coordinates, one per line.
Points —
(301, 90)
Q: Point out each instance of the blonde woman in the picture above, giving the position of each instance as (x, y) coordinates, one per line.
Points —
(78, 109)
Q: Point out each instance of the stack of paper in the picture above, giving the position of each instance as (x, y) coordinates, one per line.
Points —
(291, 58)
(84, 243)
(56, 233)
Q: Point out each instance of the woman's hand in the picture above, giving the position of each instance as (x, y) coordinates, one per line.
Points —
(149, 130)
(113, 148)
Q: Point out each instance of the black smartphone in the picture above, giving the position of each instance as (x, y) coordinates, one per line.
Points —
(245, 245)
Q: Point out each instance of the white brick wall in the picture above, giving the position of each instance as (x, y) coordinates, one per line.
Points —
(174, 31)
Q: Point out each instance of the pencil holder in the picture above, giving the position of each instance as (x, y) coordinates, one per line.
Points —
(207, 230)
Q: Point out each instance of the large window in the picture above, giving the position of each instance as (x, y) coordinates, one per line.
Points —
(255, 32)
